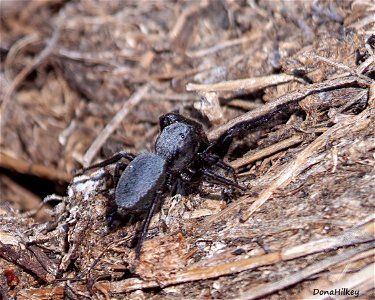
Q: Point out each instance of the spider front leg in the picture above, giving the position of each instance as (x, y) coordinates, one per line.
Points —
(218, 178)
(119, 168)
(155, 203)
(151, 211)
(115, 158)
(214, 159)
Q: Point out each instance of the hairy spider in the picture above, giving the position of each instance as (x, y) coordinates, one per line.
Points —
(181, 153)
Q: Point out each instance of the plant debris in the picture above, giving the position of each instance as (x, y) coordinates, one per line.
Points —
(286, 93)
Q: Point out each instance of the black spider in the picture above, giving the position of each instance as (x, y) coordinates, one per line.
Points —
(181, 152)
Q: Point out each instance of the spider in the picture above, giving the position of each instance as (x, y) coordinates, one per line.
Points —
(181, 153)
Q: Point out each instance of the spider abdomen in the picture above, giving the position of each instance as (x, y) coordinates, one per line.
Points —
(139, 182)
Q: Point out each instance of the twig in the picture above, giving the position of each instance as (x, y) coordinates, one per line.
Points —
(32, 212)
(361, 256)
(283, 102)
(178, 74)
(25, 167)
(56, 292)
(338, 65)
(223, 45)
(330, 62)
(248, 85)
(183, 97)
(243, 104)
(303, 274)
(359, 235)
(371, 96)
(177, 33)
(363, 66)
(25, 199)
(363, 22)
(305, 159)
(24, 259)
(16, 47)
(6, 108)
(302, 161)
(245, 160)
(113, 124)
(351, 281)
(102, 58)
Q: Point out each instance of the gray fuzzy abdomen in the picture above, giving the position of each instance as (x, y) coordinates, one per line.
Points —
(139, 182)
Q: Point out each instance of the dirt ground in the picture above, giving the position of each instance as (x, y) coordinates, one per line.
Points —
(285, 92)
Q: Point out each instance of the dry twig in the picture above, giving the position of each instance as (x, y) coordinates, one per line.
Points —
(248, 85)
(268, 151)
(25, 199)
(362, 281)
(362, 234)
(113, 124)
(283, 102)
(25, 167)
(301, 275)
(302, 161)
(223, 45)
(6, 107)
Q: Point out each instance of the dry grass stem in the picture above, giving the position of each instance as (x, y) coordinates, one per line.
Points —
(283, 101)
(359, 235)
(306, 158)
(355, 281)
(6, 106)
(113, 124)
(301, 275)
(248, 85)
(25, 167)
(268, 151)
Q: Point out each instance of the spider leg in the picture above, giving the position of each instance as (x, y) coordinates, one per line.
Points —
(170, 182)
(187, 175)
(120, 167)
(216, 177)
(155, 203)
(186, 182)
(214, 159)
(111, 160)
(45, 201)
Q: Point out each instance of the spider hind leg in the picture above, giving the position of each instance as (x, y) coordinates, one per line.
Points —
(115, 158)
